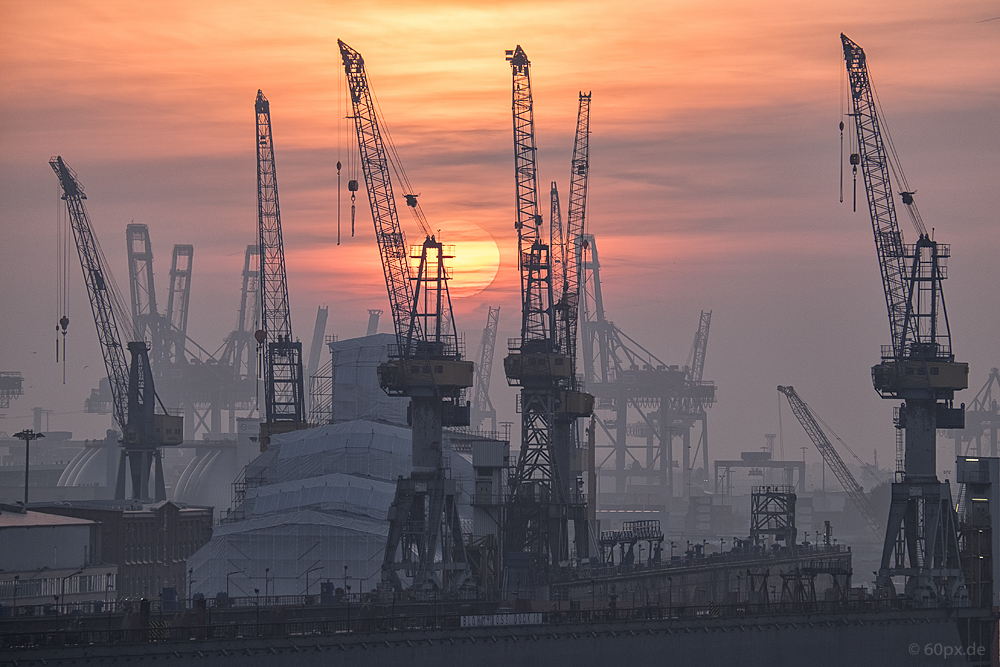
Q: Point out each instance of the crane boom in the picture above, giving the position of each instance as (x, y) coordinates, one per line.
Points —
(375, 164)
(575, 221)
(700, 347)
(104, 299)
(284, 400)
(875, 170)
(832, 458)
(534, 259)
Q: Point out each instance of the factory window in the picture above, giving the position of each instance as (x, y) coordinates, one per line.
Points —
(439, 369)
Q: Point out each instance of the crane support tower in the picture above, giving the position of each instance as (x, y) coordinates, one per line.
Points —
(179, 301)
(425, 535)
(482, 406)
(544, 499)
(832, 458)
(919, 367)
(144, 432)
(284, 393)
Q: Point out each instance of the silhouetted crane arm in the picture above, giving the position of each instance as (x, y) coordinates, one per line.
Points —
(575, 218)
(833, 460)
(874, 163)
(534, 259)
(105, 301)
(375, 164)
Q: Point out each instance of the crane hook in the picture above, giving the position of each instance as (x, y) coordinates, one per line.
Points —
(352, 185)
(855, 161)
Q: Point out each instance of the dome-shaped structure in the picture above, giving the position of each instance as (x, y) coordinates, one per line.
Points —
(315, 502)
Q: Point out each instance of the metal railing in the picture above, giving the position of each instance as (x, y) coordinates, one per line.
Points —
(372, 618)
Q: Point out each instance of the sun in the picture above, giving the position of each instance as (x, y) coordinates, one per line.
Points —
(477, 257)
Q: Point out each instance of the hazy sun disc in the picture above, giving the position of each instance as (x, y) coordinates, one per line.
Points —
(477, 257)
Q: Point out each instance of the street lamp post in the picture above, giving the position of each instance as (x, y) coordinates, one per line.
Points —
(256, 593)
(312, 569)
(27, 435)
(62, 584)
(227, 580)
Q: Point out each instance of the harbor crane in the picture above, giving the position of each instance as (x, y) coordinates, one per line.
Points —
(425, 534)
(544, 498)
(284, 383)
(919, 367)
(832, 459)
(144, 432)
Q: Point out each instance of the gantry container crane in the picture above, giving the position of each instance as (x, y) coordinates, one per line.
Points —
(284, 383)
(425, 535)
(544, 498)
(167, 331)
(921, 538)
(179, 301)
(832, 459)
(144, 432)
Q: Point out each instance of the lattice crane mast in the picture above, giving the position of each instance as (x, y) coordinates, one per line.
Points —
(919, 367)
(482, 406)
(133, 393)
(425, 535)
(284, 384)
(575, 218)
(544, 498)
(832, 458)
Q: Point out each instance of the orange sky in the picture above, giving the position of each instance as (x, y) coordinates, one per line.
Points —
(713, 178)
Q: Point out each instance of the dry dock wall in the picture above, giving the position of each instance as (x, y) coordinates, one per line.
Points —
(879, 639)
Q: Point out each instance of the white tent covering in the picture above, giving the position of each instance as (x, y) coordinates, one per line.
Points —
(318, 501)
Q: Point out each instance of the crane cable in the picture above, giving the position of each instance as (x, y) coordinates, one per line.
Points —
(843, 75)
(397, 166)
(62, 277)
(340, 133)
(897, 168)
